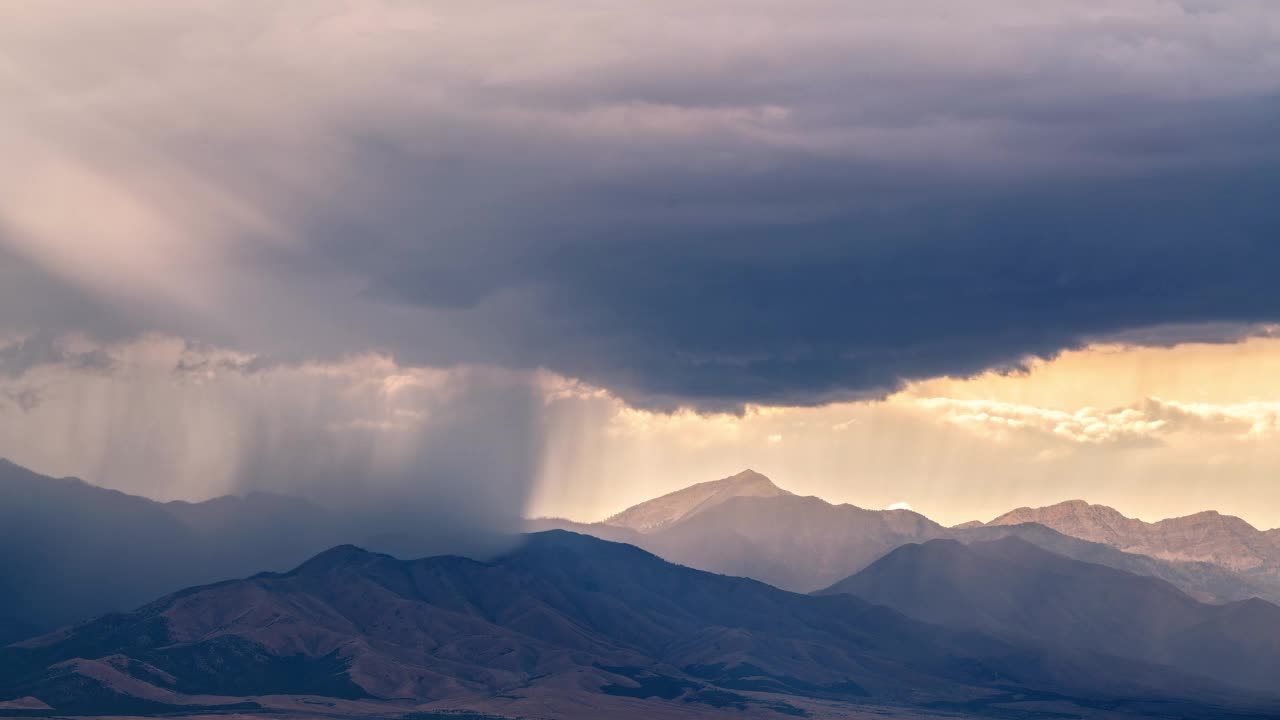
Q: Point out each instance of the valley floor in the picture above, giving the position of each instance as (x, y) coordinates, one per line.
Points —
(593, 706)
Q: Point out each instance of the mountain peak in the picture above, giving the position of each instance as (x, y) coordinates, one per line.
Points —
(334, 558)
(676, 506)
(1084, 506)
(1068, 508)
(749, 476)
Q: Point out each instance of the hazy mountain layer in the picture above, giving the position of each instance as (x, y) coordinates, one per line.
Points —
(1202, 581)
(1203, 537)
(1018, 591)
(796, 543)
(70, 550)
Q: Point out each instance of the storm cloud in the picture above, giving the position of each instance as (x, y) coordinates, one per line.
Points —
(701, 205)
(454, 449)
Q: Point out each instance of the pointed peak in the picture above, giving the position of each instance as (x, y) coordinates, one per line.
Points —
(1206, 514)
(749, 477)
(1202, 515)
(1066, 507)
(661, 512)
(345, 551)
(1083, 506)
(560, 538)
(1077, 505)
(337, 557)
(1213, 517)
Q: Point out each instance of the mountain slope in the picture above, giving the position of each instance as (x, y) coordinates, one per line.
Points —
(745, 525)
(792, 542)
(565, 611)
(671, 508)
(1019, 591)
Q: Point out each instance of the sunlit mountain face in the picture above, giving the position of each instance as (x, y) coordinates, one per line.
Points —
(894, 314)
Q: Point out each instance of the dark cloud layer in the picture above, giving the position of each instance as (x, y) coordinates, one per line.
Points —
(946, 283)
(781, 203)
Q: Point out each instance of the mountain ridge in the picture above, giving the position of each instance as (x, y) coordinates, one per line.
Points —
(804, 543)
(1206, 536)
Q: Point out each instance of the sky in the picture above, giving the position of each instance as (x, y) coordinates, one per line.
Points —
(556, 259)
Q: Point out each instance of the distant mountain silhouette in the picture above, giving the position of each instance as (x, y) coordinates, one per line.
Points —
(563, 616)
(70, 550)
(1203, 581)
(1018, 591)
(1203, 537)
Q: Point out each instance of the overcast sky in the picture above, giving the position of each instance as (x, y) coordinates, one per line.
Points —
(594, 250)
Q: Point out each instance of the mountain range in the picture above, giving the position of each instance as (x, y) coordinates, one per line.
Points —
(1071, 610)
(59, 535)
(745, 525)
(571, 626)
(1203, 537)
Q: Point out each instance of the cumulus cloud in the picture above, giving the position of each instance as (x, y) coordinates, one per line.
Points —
(1145, 423)
(22, 354)
(25, 399)
(1086, 425)
(702, 206)
(1255, 419)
